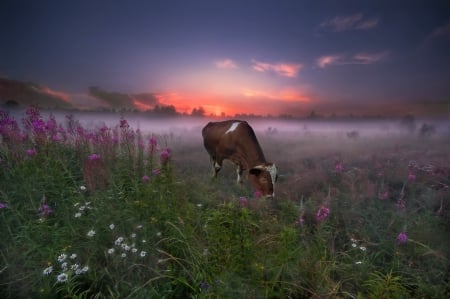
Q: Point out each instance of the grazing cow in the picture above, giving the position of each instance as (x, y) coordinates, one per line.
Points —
(235, 140)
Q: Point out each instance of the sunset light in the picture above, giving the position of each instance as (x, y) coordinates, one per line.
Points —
(229, 57)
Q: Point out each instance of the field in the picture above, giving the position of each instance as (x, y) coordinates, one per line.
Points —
(123, 211)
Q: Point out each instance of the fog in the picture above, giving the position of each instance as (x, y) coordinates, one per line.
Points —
(292, 144)
(189, 126)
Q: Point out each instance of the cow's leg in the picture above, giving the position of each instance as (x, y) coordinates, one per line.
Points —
(239, 171)
(216, 165)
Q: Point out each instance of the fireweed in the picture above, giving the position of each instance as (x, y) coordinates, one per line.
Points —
(322, 213)
(134, 268)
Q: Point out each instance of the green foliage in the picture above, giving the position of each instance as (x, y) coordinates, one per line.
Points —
(133, 223)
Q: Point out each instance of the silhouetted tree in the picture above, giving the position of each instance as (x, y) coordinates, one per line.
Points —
(198, 112)
(165, 110)
(427, 130)
(11, 104)
(409, 123)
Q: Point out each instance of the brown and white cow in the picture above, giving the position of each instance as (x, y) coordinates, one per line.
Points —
(235, 140)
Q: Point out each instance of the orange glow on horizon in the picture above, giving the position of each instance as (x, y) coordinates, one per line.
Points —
(249, 101)
(141, 106)
(61, 95)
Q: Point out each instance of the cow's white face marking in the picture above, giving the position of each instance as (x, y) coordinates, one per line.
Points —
(272, 169)
(232, 127)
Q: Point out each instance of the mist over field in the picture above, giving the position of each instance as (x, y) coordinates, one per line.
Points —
(355, 204)
(289, 143)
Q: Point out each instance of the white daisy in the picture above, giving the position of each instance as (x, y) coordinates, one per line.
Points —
(62, 277)
(62, 257)
(91, 233)
(143, 253)
(111, 226)
(47, 270)
(64, 266)
(74, 267)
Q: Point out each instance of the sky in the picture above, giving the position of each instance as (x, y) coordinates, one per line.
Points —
(260, 57)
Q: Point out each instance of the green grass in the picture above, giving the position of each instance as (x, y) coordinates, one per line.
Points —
(179, 234)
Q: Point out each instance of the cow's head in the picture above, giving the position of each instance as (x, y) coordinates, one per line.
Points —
(263, 178)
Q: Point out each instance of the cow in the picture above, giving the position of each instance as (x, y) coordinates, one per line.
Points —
(236, 141)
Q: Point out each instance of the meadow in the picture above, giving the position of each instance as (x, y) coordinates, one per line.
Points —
(115, 211)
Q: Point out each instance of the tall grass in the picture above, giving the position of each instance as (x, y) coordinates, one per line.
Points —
(112, 212)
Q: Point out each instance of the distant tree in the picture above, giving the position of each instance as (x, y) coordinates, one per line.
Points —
(271, 131)
(427, 130)
(408, 122)
(353, 134)
(313, 115)
(11, 104)
(165, 110)
(200, 111)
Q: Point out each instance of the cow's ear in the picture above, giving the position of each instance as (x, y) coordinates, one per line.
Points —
(255, 171)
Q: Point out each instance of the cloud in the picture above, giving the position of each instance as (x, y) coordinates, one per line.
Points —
(441, 31)
(117, 100)
(226, 64)
(285, 94)
(25, 93)
(351, 22)
(57, 94)
(438, 37)
(282, 69)
(324, 61)
(359, 58)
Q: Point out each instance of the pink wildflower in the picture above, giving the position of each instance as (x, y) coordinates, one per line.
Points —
(94, 157)
(165, 156)
(156, 171)
(243, 201)
(145, 179)
(411, 177)
(124, 123)
(45, 210)
(322, 213)
(300, 221)
(3, 205)
(38, 125)
(339, 167)
(153, 143)
(31, 152)
(401, 204)
(402, 238)
(258, 194)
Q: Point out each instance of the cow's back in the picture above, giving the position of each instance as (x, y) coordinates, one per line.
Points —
(230, 136)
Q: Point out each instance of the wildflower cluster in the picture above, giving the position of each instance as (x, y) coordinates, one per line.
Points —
(82, 208)
(322, 213)
(356, 245)
(67, 267)
(124, 246)
(44, 210)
